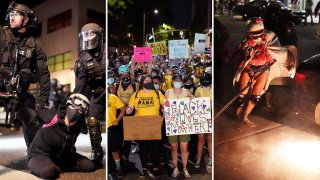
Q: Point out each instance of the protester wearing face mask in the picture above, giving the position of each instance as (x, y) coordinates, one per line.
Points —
(110, 82)
(178, 92)
(152, 108)
(205, 90)
(124, 90)
(188, 84)
(167, 80)
(157, 82)
(53, 147)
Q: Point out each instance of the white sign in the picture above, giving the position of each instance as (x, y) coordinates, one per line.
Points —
(183, 116)
(178, 49)
(200, 42)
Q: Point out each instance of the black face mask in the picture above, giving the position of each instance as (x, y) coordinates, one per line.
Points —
(73, 115)
(188, 86)
(148, 85)
(126, 80)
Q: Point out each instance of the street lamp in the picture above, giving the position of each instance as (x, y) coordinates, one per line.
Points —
(144, 23)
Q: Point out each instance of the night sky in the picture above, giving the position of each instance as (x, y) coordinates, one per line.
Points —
(181, 12)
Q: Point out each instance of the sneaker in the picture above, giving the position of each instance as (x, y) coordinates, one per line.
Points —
(144, 173)
(209, 165)
(197, 164)
(156, 173)
(186, 173)
(175, 172)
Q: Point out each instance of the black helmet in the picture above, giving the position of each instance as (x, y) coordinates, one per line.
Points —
(205, 79)
(24, 11)
(111, 73)
(138, 71)
(91, 36)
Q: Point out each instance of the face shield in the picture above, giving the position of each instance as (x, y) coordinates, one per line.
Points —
(89, 40)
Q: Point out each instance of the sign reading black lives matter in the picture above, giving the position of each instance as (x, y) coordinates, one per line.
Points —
(185, 116)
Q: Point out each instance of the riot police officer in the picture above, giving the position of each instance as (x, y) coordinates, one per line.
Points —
(23, 62)
(90, 74)
(48, 156)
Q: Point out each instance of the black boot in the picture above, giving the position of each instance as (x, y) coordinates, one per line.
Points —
(95, 138)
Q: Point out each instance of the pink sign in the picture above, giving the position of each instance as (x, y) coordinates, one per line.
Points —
(142, 54)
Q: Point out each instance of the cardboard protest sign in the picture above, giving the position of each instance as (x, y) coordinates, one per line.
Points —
(141, 128)
(200, 42)
(183, 116)
(158, 48)
(178, 49)
(142, 54)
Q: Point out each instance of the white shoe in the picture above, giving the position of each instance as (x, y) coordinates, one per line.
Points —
(209, 165)
(186, 173)
(175, 172)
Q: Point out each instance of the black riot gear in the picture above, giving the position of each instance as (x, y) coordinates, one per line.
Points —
(90, 70)
(24, 10)
(91, 36)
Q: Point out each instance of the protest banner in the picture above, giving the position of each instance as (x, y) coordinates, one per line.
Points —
(200, 43)
(158, 48)
(178, 49)
(141, 128)
(185, 116)
(142, 54)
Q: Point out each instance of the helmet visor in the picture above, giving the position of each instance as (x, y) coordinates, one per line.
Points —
(88, 40)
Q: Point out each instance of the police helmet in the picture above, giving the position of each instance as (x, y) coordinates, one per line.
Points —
(205, 79)
(123, 69)
(79, 101)
(91, 36)
(23, 10)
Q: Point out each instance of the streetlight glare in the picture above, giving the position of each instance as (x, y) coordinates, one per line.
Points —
(156, 11)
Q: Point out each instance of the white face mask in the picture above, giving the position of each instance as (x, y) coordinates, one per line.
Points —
(156, 86)
(110, 81)
(177, 84)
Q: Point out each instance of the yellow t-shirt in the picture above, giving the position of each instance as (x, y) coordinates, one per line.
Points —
(114, 103)
(125, 95)
(146, 104)
(201, 92)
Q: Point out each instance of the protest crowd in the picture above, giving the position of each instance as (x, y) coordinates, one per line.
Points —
(167, 91)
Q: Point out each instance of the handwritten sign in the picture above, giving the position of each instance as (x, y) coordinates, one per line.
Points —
(142, 54)
(183, 116)
(200, 42)
(158, 48)
(178, 49)
(141, 128)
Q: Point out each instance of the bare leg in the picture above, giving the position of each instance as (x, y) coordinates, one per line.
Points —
(184, 153)
(174, 154)
(257, 88)
(209, 142)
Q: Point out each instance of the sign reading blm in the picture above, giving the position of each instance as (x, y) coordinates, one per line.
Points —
(185, 116)
(178, 49)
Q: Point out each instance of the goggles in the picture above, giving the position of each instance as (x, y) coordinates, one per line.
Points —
(15, 14)
(256, 34)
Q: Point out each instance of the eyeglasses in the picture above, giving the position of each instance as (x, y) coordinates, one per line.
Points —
(15, 14)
